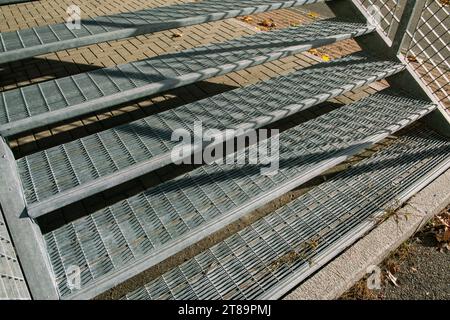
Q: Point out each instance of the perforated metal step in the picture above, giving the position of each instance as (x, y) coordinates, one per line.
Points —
(5, 2)
(39, 40)
(46, 103)
(120, 241)
(72, 171)
(273, 255)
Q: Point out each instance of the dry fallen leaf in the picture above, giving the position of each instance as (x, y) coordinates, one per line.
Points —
(411, 58)
(444, 235)
(177, 35)
(247, 19)
(268, 23)
(325, 57)
(445, 2)
(392, 278)
(313, 14)
(443, 222)
(441, 230)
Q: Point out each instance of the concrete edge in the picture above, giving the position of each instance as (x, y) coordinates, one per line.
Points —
(341, 273)
(12, 279)
(26, 235)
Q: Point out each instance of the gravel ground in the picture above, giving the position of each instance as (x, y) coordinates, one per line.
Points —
(421, 269)
(425, 274)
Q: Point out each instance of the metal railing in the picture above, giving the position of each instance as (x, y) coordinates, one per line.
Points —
(425, 45)
(388, 12)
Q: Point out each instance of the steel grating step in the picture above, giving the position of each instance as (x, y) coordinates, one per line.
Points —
(276, 253)
(6, 2)
(73, 171)
(52, 101)
(27, 43)
(122, 240)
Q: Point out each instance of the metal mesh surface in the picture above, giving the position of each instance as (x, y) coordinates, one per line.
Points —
(135, 233)
(99, 89)
(4, 2)
(284, 247)
(50, 172)
(425, 44)
(388, 12)
(28, 42)
(12, 282)
(427, 48)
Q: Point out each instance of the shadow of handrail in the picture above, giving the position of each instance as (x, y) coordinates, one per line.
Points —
(406, 156)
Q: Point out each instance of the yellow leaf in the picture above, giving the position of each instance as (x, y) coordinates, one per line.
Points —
(313, 14)
(325, 57)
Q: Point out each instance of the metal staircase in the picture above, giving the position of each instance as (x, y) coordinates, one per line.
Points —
(111, 246)
(72, 171)
(271, 256)
(35, 41)
(62, 99)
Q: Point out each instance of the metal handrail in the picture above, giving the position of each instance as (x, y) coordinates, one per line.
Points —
(424, 46)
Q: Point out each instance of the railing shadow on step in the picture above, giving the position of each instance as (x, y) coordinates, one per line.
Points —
(404, 157)
(122, 119)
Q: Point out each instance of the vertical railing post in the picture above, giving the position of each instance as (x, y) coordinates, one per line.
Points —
(408, 21)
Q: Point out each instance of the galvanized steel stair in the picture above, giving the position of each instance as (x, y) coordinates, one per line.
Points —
(26, 43)
(265, 259)
(276, 253)
(120, 241)
(49, 102)
(72, 171)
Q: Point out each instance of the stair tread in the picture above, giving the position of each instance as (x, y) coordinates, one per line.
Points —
(26, 43)
(69, 172)
(116, 243)
(5, 2)
(34, 106)
(274, 254)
